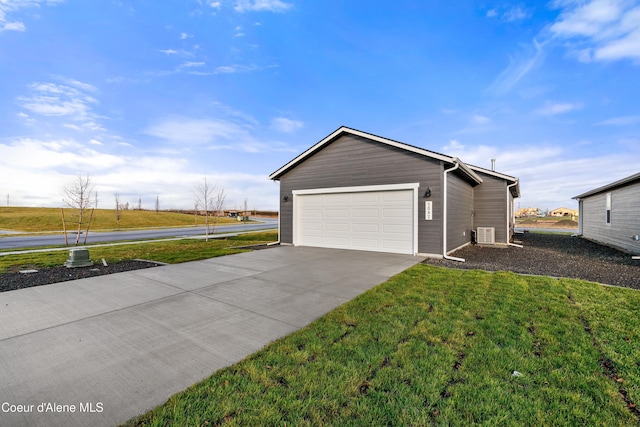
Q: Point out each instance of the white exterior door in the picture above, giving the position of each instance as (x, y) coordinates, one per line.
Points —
(377, 220)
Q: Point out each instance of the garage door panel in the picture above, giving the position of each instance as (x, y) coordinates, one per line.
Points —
(365, 244)
(336, 242)
(372, 220)
(337, 227)
(396, 212)
(369, 197)
(365, 228)
(365, 213)
(332, 213)
(338, 199)
(401, 229)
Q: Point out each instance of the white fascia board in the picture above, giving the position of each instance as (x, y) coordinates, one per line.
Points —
(470, 173)
(493, 173)
(357, 189)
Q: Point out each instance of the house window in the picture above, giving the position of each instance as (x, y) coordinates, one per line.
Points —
(608, 208)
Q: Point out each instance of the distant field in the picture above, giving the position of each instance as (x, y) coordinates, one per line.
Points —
(50, 219)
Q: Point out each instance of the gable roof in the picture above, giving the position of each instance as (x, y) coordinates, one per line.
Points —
(620, 183)
(469, 171)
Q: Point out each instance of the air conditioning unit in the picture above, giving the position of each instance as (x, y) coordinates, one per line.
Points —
(486, 235)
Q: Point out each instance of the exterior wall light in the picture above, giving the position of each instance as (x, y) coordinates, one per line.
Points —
(285, 199)
(428, 192)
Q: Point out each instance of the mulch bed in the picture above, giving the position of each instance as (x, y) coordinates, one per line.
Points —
(557, 255)
(15, 280)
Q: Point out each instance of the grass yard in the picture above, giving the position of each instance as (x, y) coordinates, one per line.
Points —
(171, 252)
(433, 346)
(50, 219)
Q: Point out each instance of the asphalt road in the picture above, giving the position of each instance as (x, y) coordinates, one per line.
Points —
(12, 242)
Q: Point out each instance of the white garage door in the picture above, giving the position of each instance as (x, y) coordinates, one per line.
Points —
(380, 221)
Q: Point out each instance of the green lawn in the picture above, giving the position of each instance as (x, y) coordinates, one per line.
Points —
(164, 251)
(50, 219)
(433, 346)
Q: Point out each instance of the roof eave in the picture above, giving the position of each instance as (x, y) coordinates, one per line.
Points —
(622, 182)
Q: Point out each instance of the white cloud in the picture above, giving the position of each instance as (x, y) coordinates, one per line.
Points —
(70, 101)
(8, 7)
(192, 64)
(168, 51)
(549, 175)
(13, 26)
(262, 6)
(552, 109)
(212, 134)
(620, 121)
(602, 30)
(511, 15)
(519, 66)
(184, 36)
(53, 164)
(480, 119)
(231, 69)
(285, 125)
(515, 14)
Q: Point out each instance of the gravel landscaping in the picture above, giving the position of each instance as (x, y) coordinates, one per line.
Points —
(558, 255)
(44, 276)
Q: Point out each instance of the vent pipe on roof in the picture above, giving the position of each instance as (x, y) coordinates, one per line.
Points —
(493, 165)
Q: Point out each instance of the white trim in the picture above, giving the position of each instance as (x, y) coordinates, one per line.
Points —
(359, 189)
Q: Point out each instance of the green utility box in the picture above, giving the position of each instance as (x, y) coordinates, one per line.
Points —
(78, 258)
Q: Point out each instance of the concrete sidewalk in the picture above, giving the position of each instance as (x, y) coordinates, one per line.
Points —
(99, 351)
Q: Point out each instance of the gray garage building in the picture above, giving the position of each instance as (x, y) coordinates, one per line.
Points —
(610, 214)
(355, 190)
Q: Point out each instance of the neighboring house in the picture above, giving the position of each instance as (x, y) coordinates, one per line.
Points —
(527, 212)
(564, 212)
(611, 214)
(355, 190)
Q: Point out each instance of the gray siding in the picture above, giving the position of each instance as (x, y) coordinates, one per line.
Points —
(354, 161)
(459, 212)
(490, 206)
(625, 218)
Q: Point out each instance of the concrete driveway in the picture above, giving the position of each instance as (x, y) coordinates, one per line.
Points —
(99, 351)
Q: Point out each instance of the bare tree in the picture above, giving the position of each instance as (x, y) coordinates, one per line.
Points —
(218, 208)
(81, 197)
(157, 204)
(204, 194)
(118, 210)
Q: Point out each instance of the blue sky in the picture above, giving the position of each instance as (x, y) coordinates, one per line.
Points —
(150, 97)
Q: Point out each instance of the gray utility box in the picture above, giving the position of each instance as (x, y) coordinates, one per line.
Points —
(78, 258)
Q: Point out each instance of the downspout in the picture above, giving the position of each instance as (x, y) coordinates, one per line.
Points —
(508, 229)
(444, 214)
